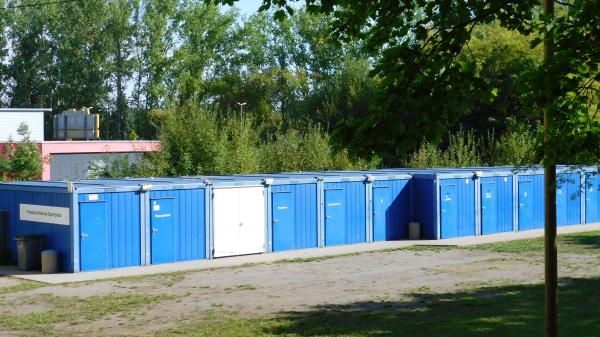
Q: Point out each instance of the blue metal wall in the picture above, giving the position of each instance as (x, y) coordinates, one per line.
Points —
(189, 220)
(568, 199)
(531, 201)
(457, 212)
(123, 239)
(391, 209)
(424, 206)
(56, 237)
(294, 216)
(592, 198)
(345, 212)
(497, 206)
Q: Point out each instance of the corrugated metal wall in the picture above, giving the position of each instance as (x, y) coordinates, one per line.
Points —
(75, 165)
(391, 209)
(123, 227)
(568, 199)
(189, 222)
(345, 212)
(501, 217)
(294, 216)
(56, 237)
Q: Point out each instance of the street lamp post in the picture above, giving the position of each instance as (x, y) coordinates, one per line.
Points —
(241, 113)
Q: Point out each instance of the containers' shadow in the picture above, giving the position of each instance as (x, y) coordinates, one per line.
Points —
(493, 311)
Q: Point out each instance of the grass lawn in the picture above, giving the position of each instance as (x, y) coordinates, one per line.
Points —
(498, 311)
(578, 243)
(515, 310)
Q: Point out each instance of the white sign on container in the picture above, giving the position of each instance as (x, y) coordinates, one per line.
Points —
(46, 214)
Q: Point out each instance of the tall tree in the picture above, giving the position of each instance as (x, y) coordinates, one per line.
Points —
(121, 33)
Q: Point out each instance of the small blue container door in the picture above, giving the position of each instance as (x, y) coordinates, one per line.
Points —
(93, 235)
(283, 221)
(496, 204)
(531, 201)
(345, 212)
(526, 205)
(391, 209)
(457, 208)
(335, 229)
(162, 232)
(489, 210)
(294, 216)
(381, 203)
(449, 216)
(592, 200)
(568, 199)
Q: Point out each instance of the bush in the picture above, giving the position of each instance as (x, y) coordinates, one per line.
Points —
(515, 148)
(21, 160)
(195, 141)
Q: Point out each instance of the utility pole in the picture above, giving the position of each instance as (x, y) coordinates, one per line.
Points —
(241, 113)
(550, 250)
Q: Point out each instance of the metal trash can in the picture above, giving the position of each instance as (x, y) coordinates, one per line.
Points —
(49, 261)
(29, 251)
(414, 231)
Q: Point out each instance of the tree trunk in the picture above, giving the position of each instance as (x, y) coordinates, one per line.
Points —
(550, 251)
(121, 100)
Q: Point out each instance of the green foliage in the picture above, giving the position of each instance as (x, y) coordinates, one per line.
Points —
(116, 168)
(21, 160)
(195, 141)
(517, 147)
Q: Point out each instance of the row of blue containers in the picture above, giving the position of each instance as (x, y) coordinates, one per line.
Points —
(101, 224)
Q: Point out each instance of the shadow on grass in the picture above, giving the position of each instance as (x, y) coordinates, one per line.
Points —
(494, 311)
(585, 241)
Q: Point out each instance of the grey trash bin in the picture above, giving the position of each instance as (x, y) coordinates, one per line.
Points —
(29, 251)
(49, 261)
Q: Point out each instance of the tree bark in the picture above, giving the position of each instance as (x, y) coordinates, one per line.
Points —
(550, 250)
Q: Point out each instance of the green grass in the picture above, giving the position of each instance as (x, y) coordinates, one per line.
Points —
(491, 312)
(74, 310)
(22, 286)
(578, 243)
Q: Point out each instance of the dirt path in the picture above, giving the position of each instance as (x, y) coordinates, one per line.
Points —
(161, 301)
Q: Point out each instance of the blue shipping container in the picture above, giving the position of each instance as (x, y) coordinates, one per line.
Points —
(294, 214)
(496, 200)
(568, 199)
(530, 200)
(444, 204)
(592, 197)
(345, 212)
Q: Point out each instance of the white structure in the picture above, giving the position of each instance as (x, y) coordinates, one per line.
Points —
(239, 221)
(11, 119)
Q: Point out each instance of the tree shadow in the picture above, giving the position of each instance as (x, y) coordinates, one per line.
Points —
(491, 311)
(585, 240)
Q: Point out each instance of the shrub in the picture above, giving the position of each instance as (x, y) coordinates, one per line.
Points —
(21, 160)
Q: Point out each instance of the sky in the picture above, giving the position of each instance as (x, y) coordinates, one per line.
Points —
(247, 7)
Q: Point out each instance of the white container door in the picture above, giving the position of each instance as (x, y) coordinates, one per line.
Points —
(226, 221)
(252, 220)
(239, 221)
